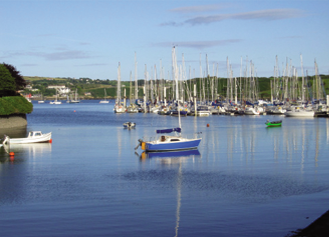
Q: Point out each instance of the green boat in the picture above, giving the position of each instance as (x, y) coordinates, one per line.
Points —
(273, 123)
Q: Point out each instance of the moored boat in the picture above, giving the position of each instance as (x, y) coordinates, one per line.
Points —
(33, 137)
(55, 102)
(253, 110)
(171, 143)
(104, 101)
(300, 113)
(273, 123)
(129, 125)
(203, 110)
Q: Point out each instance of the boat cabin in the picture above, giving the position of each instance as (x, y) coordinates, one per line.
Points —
(202, 108)
(35, 134)
(169, 139)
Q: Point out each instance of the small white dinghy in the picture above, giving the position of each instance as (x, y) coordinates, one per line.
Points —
(33, 137)
(129, 125)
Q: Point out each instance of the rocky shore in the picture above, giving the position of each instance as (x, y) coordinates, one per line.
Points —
(319, 228)
(13, 121)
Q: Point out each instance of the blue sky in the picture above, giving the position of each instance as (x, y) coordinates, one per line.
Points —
(88, 38)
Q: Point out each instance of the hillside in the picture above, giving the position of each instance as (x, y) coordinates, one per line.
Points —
(94, 89)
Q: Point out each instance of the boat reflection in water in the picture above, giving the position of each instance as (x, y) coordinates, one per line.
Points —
(175, 158)
(170, 154)
(33, 150)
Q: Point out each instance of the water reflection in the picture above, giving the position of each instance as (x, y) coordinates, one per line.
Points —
(179, 197)
(173, 158)
(170, 156)
(246, 140)
(25, 150)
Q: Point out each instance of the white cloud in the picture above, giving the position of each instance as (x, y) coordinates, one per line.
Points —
(60, 55)
(264, 15)
(198, 44)
(202, 8)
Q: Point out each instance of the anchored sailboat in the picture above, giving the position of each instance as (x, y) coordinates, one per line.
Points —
(166, 142)
(104, 101)
(119, 107)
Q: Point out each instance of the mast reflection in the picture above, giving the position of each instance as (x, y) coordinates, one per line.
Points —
(173, 158)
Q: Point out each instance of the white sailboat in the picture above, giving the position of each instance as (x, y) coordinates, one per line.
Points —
(75, 100)
(253, 110)
(166, 142)
(300, 112)
(104, 101)
(203, 111)
(119, 107)
(55, 102)
(42, 100)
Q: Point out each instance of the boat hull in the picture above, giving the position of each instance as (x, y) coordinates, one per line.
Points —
(44, 138)
(273, 124)
(203, 113)
(299, 113)
(119, 109)
(186, 144)
(129, 125)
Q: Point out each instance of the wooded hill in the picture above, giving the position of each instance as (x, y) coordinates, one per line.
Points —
(96, 87)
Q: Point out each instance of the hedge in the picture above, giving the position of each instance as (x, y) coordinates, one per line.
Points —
(11, 105)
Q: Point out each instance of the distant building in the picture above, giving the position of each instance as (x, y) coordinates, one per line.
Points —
(87, 93)
(29, 87)
(61, 89)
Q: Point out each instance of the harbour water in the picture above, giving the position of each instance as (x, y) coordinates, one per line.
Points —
(244, 180)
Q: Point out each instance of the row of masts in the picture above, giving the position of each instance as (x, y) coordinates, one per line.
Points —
(286, 85)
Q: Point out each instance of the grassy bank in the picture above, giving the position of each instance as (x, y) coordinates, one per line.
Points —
(13, 105)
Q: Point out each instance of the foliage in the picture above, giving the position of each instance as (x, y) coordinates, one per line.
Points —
(96, 87)
(19, 80)
(15, 105)
(99, 92)
(7, 82)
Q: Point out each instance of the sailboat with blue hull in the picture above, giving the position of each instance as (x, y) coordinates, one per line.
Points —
(171, 143)
(171, 154)
(167, 142)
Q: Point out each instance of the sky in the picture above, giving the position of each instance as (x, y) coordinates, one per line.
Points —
(90, 38)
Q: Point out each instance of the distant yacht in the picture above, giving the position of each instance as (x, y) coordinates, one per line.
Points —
(104, 101)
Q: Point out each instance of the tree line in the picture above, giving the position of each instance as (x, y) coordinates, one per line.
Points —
(11, 80)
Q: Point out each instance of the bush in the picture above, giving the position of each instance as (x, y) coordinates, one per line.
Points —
(15, 105)
(7, 82)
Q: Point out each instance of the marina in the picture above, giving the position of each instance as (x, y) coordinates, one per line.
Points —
(164, 118)
(244, 179)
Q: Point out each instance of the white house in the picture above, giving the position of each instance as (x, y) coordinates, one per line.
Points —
(61, 89)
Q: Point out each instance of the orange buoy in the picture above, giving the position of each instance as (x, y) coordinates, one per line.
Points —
(207, 125)
(11, 153)
(74, 111)
(51, 141)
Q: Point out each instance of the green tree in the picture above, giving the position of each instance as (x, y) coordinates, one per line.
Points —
(19, 80)
(7, 82)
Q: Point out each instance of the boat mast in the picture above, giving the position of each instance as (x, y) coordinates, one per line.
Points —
(175, 77)
(301, 64)
(130, 91)
(119, 86)
(136, 82)
(145, 89)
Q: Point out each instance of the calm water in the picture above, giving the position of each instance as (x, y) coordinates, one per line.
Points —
(244, 180)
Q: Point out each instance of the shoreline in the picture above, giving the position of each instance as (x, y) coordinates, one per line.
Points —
(318, 228)
(64, 98)
(13, 121)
